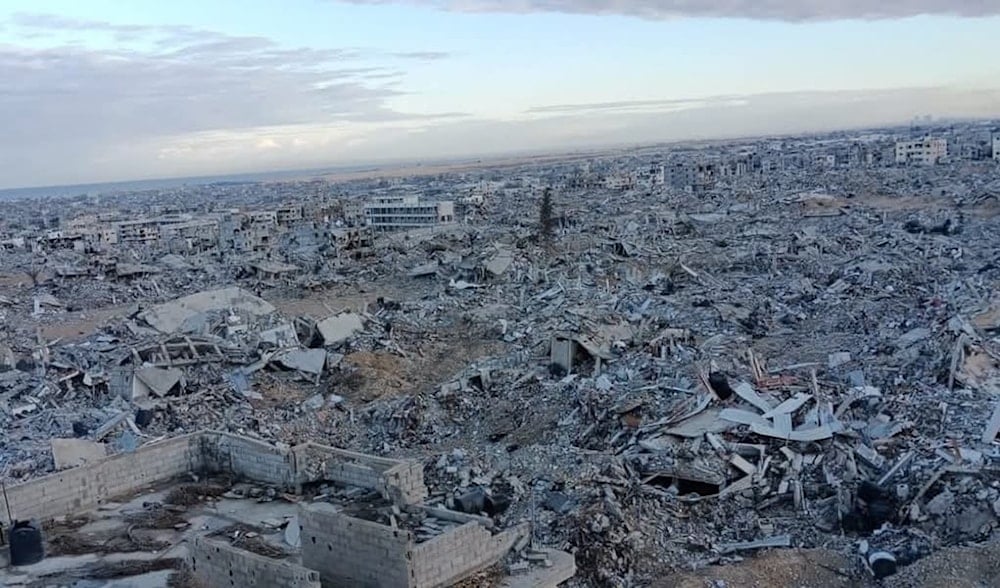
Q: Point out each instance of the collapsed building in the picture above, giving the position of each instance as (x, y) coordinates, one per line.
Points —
(370, 526)
(802, 361)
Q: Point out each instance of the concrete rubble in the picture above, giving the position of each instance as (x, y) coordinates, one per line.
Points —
(686, 376)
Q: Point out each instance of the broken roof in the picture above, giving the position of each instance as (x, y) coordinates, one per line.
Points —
(339, 328)
(170, 316)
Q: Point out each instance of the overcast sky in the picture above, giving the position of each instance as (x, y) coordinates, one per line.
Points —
(107, 90)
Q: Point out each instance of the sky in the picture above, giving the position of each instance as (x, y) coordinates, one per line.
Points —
(108, 90)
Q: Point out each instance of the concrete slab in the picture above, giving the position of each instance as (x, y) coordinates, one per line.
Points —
(293, 533)
(499, 263)
(170, 316)
(69, 453)
(310, 361)
(158, 381)
(338, 329)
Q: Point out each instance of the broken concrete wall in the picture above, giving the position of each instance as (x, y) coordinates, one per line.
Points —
(397, 479)
(348, 551)
(210, 452)
(249, 459)
(352, 552)
(216, 563)
(85, 487)
(407, 478)
(457, 554)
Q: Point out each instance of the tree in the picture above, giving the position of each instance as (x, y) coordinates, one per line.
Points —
(545, 222)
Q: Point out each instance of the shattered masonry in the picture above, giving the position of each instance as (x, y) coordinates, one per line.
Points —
(725, 351)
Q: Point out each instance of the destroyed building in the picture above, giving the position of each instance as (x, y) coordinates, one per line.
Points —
(797, 363)
(369, 526)
(921, 152)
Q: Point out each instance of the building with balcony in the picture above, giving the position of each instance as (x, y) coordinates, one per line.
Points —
(398, 213)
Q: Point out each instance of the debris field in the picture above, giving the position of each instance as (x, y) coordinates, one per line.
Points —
(671, 382)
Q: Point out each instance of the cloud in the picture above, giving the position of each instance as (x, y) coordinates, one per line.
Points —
(634, 105)
(783, 10)
(719, 118)
(423, 55)
(67, 107)
(164, 101)
(40, 23)
(313, 146)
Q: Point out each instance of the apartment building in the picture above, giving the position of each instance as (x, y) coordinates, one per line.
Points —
(396, 213)
(925, 151)
(354, 212)
(145, 231)
(289, 215)
(197, 235)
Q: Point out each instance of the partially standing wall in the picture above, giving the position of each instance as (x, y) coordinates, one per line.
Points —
(457, 554)
(351, 552)
(218, 564)
(82, 488)
(397, 479)
(86, 487)
(250, 459)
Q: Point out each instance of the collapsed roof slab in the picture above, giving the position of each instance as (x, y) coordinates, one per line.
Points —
(170, 316)
(156, 380)
(310, 361)
(340, 328)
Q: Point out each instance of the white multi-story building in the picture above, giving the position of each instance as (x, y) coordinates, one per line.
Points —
(395, 213)
(996, 148)
(923, 151)
(138, 231)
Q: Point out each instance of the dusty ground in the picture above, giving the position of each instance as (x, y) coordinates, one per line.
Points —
(78, 325)
(11, 283)
(965, 567)
(956, 567)
(789, 568)
(380, 373)
(441, 353)
(320, 305)
(923, 204)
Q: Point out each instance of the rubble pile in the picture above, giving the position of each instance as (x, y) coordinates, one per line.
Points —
(675, 381)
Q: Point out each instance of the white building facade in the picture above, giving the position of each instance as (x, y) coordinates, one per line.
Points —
(398, 213)
(921, 152)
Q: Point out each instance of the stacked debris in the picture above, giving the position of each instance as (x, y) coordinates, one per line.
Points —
(678, 381)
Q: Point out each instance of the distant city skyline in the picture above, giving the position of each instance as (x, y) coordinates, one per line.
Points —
(103, 90)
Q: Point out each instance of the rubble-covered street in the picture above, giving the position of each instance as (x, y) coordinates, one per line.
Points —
(676, 380)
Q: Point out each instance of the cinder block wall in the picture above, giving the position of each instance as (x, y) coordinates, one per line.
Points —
(452, 556)
(407, 478)
(318, 462)
(218, 564)
(349, 552)
(249, 459)
(354, 552)
(85, 487)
